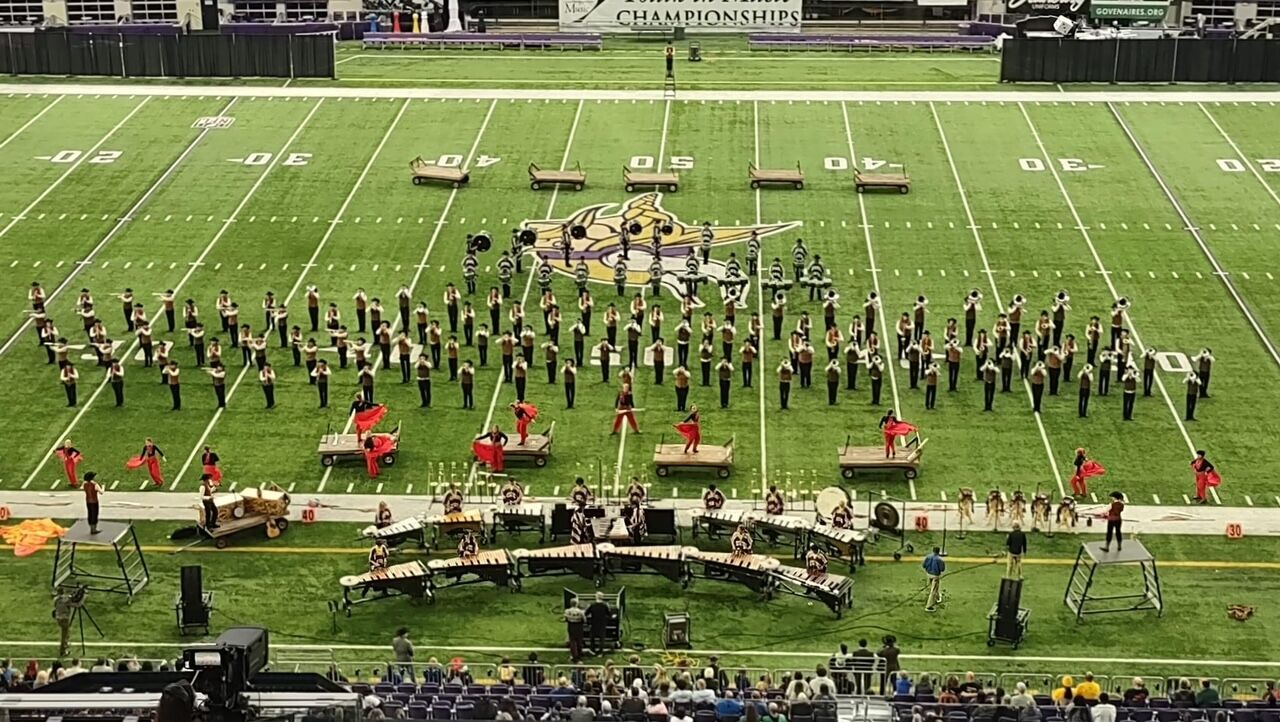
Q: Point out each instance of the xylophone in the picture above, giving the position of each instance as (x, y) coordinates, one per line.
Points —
(668, 561)
(399, 532)
(409, 579)
(846, 544)
(450, 525)
(491, 566)
(834, 590)
(771, 527)
(518, 518)
(577, 559)
(716, 520)
(754, 571)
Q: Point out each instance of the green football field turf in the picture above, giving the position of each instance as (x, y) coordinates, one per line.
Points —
(285, 585)
(1009, 198)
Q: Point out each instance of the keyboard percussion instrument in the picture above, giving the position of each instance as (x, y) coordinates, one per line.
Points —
(516, 518)
(668, 561)
(399, 532)
(772, 527)
(833, 590)
(488, 566)
(847, 544)
(409, 579)
(754, 571)
(577, 559)
(713, 521)
(453, 525)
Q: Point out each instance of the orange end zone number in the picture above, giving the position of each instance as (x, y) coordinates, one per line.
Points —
(1235, 531)
(308, 515)
(922, 523)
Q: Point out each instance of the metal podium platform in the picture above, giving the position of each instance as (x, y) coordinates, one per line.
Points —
(130, 574)
(1081, 596)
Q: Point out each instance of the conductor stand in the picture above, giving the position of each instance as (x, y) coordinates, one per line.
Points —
(130, 574)
(1081, 596)
(1007, 620)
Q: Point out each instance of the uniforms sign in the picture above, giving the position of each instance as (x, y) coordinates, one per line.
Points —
(727, 15)
(1047, 7)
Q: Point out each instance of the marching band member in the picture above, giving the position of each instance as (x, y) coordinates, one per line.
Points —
(774, 502)
(1206, 476)
(724, 373)
(931, 386)
(852, 359)
(1039, 512)
(995, 508)
(914, 356)
(741, 541)
(512, 492)
(452, 501)
(1044, 334)
(1086, 385)
(636, 492)
(919, 310)
(1086, 468)
(151, 456)
(206, 500)
(785, 373)
(965, 503)
(71, 458)
(1193, 394)
(1053, 362)
(1066, 514)
(830, 304)
(799, 254)
(69, 376)
(1001, 331)
(1037, 378)
(1061, 304)
(691, 429)
(875, 371)
(833, 382)
(904, 330)
(267, 376)
(1129, 385)
(378, 556)
(989, 374)
(1117, 321)
(1018, 507)
(1204, 361)
(712, 498)
(1014, 314)
(972, 304)
(468, 545)
(624, 409)
(581, 494)
(637, 525)
(842, 516)
(1115, 521)
(209, 465)
(382, 518)
(815, 561)
(580, 531)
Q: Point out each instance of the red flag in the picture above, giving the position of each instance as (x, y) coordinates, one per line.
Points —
(484, 451)
(1213, 478)
(691, 431)
(368, 419)
(1090, 469)
(214, 473)
(898, 428)
(531, 411)
(134, 463)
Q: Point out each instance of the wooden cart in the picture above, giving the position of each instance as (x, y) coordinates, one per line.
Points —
(536, 450)
(424, 172)
(336, 447)
(251, 508)
(872, 458)
(764, 176)
(671, 456)
(633, 179)
(539, 177)
(899, 180)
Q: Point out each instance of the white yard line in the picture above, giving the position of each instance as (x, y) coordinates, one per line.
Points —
(1102, 268)
(116, 229)
(426, 254)
(31, 122)
(761, 364)
(890, 364)
(541, 94)
(995, 290)
(532, 271)
(297, 285)
(662, 150)
(199, 262)
(71, 168)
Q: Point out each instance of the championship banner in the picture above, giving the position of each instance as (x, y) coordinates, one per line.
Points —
(1047, 7)
(703, 15)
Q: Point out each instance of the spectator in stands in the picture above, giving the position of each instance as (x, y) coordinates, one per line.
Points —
(1136, 696)
(1183, 696)
(862, 662)
(554, 714)
(1104, 711)
(950, 692)
(42, 678)
(1208, 695)
(797, 686)
(575, 621)
(507, 710)
(581, 712)
(840, 663)
(729, 708)
(533, 673)
(633, 703)
(775, 714)
(7, 672)
(801, 707)
(73, 670)
(1060, 694)
(1270, 697)
(924, 686)
(1020, 697)
(606, 711)
(742, 682)
(703, 697)
(970, 688)
(821, 685)
(102, 665)
(680, 715)
(657, 707)
(403, 650)
(1088, 691)
(1075, 710)
(889, 655)
(985, 709)
(564, 692)
(917, 713)
(717, 678)
(902, 685)
(681, 698)
(507, 672)
(632, 671)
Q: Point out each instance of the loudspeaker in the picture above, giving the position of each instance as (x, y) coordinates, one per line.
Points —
(193, 603)
(1006, 623)
(210, 20)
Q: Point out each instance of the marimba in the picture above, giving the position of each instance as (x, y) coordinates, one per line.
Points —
(451, 525)
(771, 527)
(517, 518)
(847, 544)
(488, 566)
(399, 532)
(409, 579)
(834, 590)
(577, 559)
(754, 571)
(716, 520)
(668, 561)
(610, 529)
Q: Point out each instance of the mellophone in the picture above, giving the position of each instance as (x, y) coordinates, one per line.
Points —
(846, 544)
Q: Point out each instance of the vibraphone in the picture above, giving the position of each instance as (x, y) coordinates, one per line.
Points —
(713, 521)
(490, 566)
(399, 532)
(834, 590)
(562, 518)
(753, 571)
(451, 525)
(518, 518)
(772, 527)
(668, 561)
(847, 544)
(577, 559)
(409, 579)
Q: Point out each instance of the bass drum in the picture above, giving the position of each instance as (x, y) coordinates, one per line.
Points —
(829, 499)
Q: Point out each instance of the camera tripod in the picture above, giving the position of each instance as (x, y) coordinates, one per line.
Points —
(78, 617)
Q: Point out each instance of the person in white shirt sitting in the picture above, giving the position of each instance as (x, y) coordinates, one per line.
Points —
(1104, 711)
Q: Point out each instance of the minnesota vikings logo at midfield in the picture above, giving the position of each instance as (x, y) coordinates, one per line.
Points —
(601, 247)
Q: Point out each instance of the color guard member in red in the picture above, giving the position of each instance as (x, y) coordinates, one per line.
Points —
(151, 456)
(1206, 476)
(1086, 468)
(691, 430)
(893, 428)
(625, 409)
(209, 462)
(490, 449)
(71, 458)
(525, 414)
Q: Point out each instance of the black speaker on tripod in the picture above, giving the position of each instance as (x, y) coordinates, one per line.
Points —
(194, 604)
(1008, 620)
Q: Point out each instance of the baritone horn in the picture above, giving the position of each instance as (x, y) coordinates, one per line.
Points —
(1123, 303)
(527, 237)
(578, 231)
(634, 228)
(480, 242)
